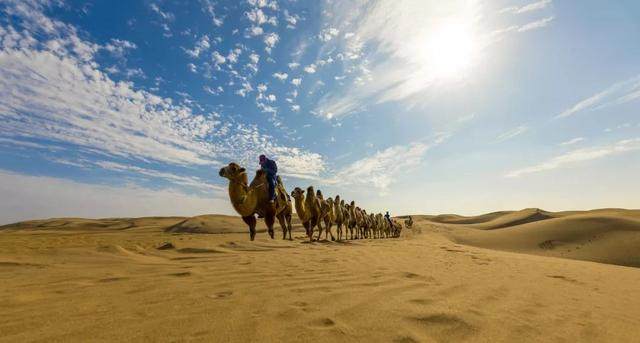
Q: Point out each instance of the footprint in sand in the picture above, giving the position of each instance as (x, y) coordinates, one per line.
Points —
(323, 323)
(444, 325)
(405, 339)
(113, 279)
(221, 295)
(300, 304)
(180, 274)
(564, 278)
(422, 301)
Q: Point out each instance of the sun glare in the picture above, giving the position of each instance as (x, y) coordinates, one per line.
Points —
(449, 51)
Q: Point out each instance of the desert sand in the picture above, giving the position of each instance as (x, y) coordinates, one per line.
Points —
(526, 276)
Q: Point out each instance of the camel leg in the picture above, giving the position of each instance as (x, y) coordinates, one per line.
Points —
(288, 218)
(251, 221)
(331, 233)
(312, 225)
(306, 227)
(283, 225)
(269, 220)
(319, 223)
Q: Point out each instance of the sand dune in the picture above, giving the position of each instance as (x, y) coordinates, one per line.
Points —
(606, 236)
(106, 280)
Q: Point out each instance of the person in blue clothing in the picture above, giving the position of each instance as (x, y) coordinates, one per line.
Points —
(388, 218)
(271, 169)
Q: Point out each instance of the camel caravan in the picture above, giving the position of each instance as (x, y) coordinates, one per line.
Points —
(350, 221)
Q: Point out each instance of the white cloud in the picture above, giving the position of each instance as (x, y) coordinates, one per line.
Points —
(119, 47)
(310, 68)
(258, 17)
(77, 104)
(280, 76)
(580, 155)
(246, 88)
(572, 141)
(256, 30)
(381, 169)
(181, 180)
(201, 45)
(164, 15)
(39, 197)
(292, 20)
(270, 40)
(535, 24)
(255, 58)
(328, 33)
(218, 58)
(296, 82)
(393, 43)
(293, 65)
(52, 89)
(534, 6)
(209, 6)
(295, 108)
(232, 57)
(512, 133)
(26, 144)
(617, 94)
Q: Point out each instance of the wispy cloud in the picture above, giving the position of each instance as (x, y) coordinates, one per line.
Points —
(391, 50)
(535, 24)
(52, 88)
(617, 94)
(580, 155)
(512, 133)
(572, 141)
(56, 197)
(534, 6)
(188, 181)
(383, 168)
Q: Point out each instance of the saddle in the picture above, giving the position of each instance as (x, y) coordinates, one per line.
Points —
(283, 200)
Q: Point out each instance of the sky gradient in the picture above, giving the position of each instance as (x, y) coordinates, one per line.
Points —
(129, 108)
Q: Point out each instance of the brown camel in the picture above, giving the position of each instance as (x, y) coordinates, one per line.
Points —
(326, 216)
(355, 219)
(339, 215)
(373, 225)
(249, 200)
(308, 209)
(397, 229)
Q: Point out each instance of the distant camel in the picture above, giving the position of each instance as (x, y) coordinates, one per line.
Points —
(326, 214)
(339, 216)
(249, 200)
(408, 222)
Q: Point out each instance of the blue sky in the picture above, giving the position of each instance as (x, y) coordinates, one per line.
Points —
(126, 108)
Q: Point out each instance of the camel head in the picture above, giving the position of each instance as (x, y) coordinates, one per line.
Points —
(297, 193)
(234, 172)
(319, 194)
(310, 191)
(342, 203)
(353, 203)
(330, 202)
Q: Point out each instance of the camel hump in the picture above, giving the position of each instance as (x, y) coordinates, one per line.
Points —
(279, 180)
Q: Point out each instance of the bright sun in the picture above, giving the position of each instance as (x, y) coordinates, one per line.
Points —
(449, 50)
